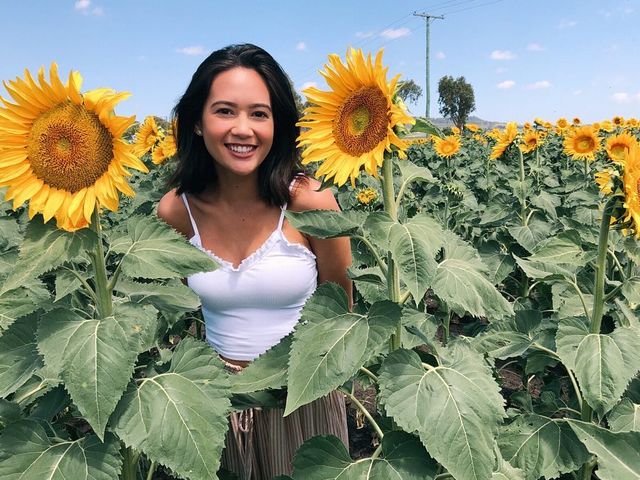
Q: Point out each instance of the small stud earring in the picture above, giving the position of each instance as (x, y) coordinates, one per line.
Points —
(198, 132)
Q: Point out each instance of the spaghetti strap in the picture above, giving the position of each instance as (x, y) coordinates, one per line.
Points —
(193, 222)
(281, 220)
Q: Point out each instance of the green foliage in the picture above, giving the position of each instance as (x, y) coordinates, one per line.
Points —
(409, 91)
(178, 417)
(460, 427)
(456, 99)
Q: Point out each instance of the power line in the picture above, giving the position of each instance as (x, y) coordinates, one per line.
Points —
(471, 8)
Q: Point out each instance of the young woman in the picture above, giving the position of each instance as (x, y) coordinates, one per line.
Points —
(237, 173)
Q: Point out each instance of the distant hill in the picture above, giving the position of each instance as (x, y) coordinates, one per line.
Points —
(484, 124)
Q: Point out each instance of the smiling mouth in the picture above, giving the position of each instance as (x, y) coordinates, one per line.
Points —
(241, 149)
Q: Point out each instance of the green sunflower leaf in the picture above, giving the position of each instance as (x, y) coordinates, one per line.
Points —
(460, 432)
(19, 357)
(326, 458)
(618, 453)
(625, 417)
(19, 302)
(152, 249)
(461, 283)
(269, 370)
(604, 363)
(531, 235)
(172, 296)
(44, 248)
(330, 343)
(541, 446)
(26, 453)
(327, 223)
(179, 418)
(95, 357)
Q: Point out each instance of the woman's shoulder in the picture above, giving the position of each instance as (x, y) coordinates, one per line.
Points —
(306, 195)
(171, 210)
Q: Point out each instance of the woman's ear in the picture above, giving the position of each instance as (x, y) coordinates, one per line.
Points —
(198, 130)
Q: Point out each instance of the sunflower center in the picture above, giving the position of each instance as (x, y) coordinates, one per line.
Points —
(69, 148)
(585, 144)
(618, 150)
(362, 121)
(447, 147)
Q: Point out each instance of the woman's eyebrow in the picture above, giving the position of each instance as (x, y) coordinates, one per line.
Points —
(235, 105)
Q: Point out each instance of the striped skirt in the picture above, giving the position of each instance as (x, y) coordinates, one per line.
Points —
(260, 443)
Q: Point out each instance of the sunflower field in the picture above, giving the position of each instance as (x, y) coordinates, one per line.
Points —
(495, 329)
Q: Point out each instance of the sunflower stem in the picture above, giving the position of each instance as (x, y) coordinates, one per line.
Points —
(103, 294)
(393, 278)
(366, 413)
(129, 464)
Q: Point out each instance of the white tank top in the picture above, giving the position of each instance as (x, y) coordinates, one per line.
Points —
(247, 309)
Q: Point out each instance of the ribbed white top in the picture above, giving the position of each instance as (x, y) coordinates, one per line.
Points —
(247, 309)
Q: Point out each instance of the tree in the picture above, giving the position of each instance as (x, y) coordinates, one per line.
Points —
(409, 91)
(456, 99)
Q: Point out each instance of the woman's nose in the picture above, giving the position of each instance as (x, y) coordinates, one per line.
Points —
(242, 126)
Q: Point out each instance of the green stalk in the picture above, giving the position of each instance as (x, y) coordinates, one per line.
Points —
(598, 302)
(393, 278)
(601, 263)
(523, 200)
(129, 463)
(152, 470)
(103, 294)
(366, 413)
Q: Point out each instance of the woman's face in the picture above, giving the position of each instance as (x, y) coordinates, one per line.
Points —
(237, 121)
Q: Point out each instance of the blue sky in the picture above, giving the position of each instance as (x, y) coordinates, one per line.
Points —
(524, 59)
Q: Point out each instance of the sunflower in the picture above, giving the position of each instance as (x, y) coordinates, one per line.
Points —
(504, 139)
(147, 137)
(352, 125)
(562, 123)
(165, 149)
(618, 145)
(607, 126)
(618, 121)
(530, 141)
(447, 146)
(472, 127)
(632, 122)
(582, 143)
(631, 182)
(62, 150)
(455, 131)
(604, 180)
(367, 195)
(576, 121)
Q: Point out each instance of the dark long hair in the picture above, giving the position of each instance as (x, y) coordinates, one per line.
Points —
(195, 170)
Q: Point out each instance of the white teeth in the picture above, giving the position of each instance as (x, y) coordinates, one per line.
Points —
(240, 148)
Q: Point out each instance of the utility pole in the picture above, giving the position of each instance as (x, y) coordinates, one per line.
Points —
(427, 19)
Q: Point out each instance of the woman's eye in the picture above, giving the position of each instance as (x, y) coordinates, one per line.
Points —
(260, 114)
(224, 111)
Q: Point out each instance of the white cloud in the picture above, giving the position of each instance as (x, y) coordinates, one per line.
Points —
(539, 84)
(502, 55)
(306, 85)
(621, 97)
(301, 46)
(567, 24)
(364, 34)
(440, 56)
(191, 50)
(506, 84)
(577, 92)
(392, 33)
(535, 47)
(84, 7)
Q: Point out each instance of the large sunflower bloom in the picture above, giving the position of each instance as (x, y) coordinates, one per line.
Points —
(62, 150)
(631, 182)
(351, 126)
(147, 137)
(504, 139)
(618, 145)
(582, 143)
(447, 146)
